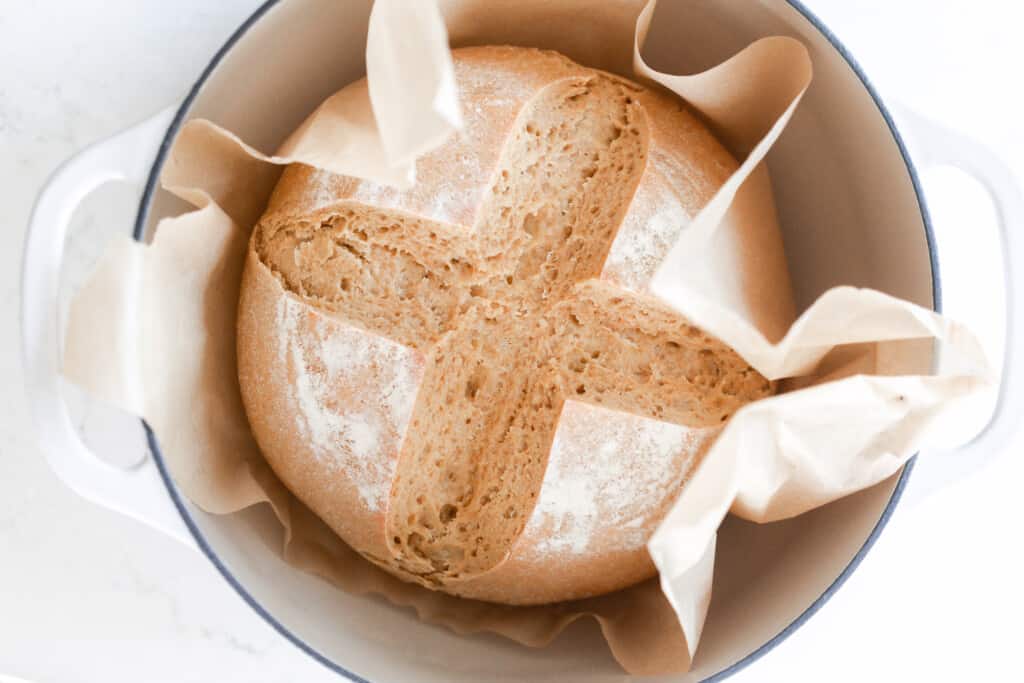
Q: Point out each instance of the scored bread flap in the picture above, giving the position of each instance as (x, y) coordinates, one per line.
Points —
(881, 399)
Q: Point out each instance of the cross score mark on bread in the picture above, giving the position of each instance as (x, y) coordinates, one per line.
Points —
(513, 320)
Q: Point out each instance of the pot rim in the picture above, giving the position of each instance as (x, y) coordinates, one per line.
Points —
(141, 220)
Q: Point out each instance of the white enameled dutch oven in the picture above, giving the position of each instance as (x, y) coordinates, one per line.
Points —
(851, 211)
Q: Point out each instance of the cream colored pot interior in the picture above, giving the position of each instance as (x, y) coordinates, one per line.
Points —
(849, 215)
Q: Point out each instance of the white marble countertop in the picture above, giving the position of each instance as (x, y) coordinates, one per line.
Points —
(87, 595)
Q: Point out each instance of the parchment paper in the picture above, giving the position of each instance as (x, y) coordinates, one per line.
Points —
(859, 389)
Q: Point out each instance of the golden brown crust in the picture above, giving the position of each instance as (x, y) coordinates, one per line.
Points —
(267, 377)
(346, 304)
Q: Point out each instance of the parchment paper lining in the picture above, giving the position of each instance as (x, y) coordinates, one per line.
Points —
(862, 388)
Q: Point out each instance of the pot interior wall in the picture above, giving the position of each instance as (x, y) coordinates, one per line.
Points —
(849, 215)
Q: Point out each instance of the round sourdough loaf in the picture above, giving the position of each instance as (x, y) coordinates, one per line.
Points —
(467, 380)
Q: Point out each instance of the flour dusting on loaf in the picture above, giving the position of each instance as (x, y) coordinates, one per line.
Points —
(469, 380)
(650, 228)
(605, 468)
(352, 433)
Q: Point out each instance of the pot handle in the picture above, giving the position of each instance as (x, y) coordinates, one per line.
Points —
(138, 492)
(934, 145)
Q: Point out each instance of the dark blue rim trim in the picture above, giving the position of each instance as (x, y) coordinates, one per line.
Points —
(179, 503)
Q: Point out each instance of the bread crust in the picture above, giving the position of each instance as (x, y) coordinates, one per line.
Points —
(347, 311)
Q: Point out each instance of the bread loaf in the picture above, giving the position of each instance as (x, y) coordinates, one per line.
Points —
(468, 380)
